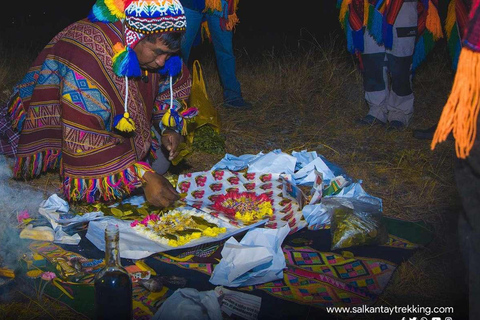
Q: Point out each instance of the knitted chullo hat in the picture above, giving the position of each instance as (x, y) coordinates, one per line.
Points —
(140, 18)
(148, 17)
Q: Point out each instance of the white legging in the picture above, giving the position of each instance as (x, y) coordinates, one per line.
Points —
(387, 73)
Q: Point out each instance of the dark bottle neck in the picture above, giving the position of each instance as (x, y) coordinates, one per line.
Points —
(112, 254)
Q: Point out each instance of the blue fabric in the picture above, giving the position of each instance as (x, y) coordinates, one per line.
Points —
(223, 47)
(357, 37)
(376, 26)
(388, 37)
(172, 66)
(191, 4)
(418, 54)
(350, 46)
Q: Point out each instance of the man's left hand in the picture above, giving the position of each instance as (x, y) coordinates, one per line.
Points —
(171, 140)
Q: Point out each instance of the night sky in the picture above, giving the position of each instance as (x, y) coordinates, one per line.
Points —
(263, 24)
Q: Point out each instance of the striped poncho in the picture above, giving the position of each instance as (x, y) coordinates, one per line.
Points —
(378, 17)
(64, 109)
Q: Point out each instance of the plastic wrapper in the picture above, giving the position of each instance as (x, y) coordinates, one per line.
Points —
(191, 304)
(351, 227)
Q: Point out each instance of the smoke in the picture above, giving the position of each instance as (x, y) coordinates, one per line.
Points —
(15, 197)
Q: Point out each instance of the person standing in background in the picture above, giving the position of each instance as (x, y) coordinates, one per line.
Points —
(390, 38)
(218, 18)
(460, 116)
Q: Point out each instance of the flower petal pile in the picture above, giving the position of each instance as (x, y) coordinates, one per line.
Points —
(244, 206)
(176, 228)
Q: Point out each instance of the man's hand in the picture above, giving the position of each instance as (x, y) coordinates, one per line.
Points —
(171, 140)
(158, 190)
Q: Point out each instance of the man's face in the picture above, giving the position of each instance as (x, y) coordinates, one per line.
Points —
(153, 55)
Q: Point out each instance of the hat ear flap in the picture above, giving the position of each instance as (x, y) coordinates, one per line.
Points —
(125, 63)
(172, 66)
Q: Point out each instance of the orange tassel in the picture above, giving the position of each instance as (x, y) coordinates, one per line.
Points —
(451, 19)
(460, 113)
(433, 22)
(232, 21)
(213, 5)
(206, 31)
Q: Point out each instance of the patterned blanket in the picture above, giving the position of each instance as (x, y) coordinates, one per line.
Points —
(315, 277)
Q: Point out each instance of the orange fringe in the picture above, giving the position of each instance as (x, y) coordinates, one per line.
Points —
(205, 31)
(433, 22)
(460, 113)
(232, 21)
(451, 19)
(213, 5)
(366, 11)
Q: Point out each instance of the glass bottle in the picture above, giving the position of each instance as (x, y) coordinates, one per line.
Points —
(113, 285)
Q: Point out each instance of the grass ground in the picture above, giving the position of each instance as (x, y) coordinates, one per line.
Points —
(308, 99)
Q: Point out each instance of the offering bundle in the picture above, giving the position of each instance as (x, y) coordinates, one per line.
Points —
(178, 227)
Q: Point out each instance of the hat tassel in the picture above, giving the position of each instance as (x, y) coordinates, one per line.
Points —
(123, 122)
(174, 118)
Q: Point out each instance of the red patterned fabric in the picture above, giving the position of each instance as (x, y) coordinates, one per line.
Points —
(461, 12)
(355, 17)
(392, 10)
(472, 35)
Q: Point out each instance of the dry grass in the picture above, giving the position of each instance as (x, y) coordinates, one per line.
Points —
(24, 306)
(309, 99)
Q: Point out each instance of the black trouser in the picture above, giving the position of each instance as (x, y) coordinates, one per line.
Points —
(467, 176)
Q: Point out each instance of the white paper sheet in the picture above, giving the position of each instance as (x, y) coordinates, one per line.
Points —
(257, 258)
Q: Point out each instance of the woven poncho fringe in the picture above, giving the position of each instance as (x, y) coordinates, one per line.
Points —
(109, 188)
(90, 190)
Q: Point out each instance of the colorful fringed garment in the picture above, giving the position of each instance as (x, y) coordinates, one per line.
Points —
(460, 114)
(378, 17)
(64, 109)
(455, 24)
(226, 10)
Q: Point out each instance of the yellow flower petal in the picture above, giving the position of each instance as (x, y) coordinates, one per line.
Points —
(34, 274)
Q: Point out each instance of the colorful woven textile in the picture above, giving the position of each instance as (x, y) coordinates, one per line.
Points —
(322, 278)
(314, 278)
(225, 9)
(8, 135)
(317, 278)
(64, 108)
(455, 25)
(472, 34)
